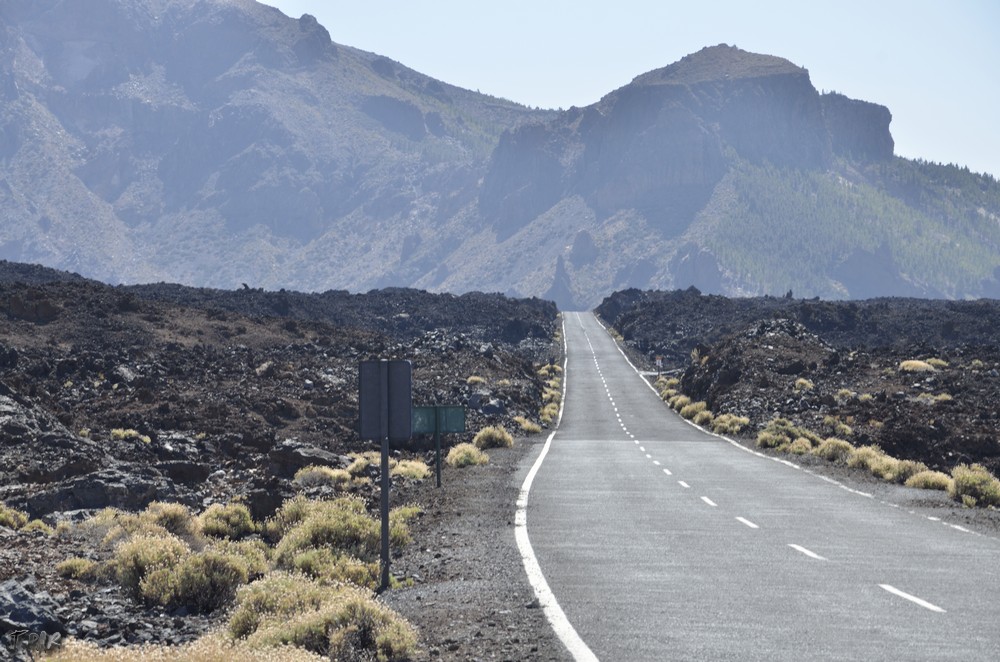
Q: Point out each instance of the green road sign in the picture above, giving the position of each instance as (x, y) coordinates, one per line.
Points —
(443, 419)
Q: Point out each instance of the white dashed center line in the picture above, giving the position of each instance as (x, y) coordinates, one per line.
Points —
(812, 555)
(709, 501)
(684, 485)
(912, 598)
(747, 522)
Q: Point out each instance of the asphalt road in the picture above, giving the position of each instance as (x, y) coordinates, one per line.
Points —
(661, 542)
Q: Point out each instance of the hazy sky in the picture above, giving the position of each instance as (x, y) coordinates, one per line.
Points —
(935, 64)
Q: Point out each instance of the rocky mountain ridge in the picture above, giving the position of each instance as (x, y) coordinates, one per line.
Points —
(219, 143)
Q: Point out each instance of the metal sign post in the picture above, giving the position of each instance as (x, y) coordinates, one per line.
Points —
(384, 404)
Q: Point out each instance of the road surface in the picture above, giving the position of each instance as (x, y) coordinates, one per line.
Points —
(661, 542)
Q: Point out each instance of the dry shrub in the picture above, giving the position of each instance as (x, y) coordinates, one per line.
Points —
(142, 554)
(475, 380)
(342, 524)
(174, 518)
(209, 648)
(231, 521)
(327, 565)
(803, 384)
(704, 417)
(340, 621)
(916, 366)
(729, 423)
(780, 433)
(466, 454)
(77, 568)
(38, 525)
(254, 552)
(416, 469)
(202, 582)
(679, 402)
(800, 446)
(930, 480)
(12, 518)
(493, 436)
(315, 475)
(834, 450)
(690, 410)
(527, 426)
(975, 485)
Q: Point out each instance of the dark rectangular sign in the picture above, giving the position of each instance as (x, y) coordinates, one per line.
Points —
(450, 419)
(385, 400)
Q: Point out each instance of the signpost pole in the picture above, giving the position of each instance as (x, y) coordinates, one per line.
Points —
(437, 442)
(384, 369)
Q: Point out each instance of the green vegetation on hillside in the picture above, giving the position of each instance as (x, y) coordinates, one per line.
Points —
(787, 229)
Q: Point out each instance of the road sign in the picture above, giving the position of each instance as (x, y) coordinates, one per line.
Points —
(384, 400)
(444, 419)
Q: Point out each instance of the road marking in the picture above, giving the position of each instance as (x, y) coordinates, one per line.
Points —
(684, 485)
(747, 522)
(667, 471)
(709, 501)
(553, 612)
(656, 462)
(912, 598)
(648, 456)
(812, 555)
(642, 448)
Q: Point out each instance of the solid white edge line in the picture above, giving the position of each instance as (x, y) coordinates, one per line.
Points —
(912, 598)
(803, 550)
(553, 612)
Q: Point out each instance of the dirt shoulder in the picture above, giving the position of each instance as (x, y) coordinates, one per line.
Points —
(471, 599)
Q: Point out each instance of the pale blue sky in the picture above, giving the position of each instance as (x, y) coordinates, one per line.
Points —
(935, 64)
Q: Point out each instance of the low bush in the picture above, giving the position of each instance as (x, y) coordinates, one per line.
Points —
(800, 446)
(493, 436)
(527, 426)
(328, 566)
(884, 466)
(254, 552)
(916, 366)
(930, 480)
(174, 518)
(202, 582)
(415, 469)
(548, 412)
(729, 423)
(38, 525)
(690, 410)
(975, 485)
(703, 417)
(937, 363)
(209, 648)
(231, 521)
(77, 568)
(315, 475)
(12, 518)
(142, 554)
(466, 454)
(291, 513)
(802, 384)
(341, 524)
(679, 402)
(834, 450)
(780, 433)
(475, 380)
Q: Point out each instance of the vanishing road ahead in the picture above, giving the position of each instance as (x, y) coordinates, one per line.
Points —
(661, 542)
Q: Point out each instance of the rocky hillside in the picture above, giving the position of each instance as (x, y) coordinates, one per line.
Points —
(217, 143)
(919, 378)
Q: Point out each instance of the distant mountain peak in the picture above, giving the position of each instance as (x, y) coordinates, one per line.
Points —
(719, 62)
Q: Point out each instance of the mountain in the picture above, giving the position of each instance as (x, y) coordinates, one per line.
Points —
(216, 143)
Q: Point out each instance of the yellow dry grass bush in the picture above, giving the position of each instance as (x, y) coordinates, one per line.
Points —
(930, 480)
(475, 380)
(689, 411)
(800, 446)
(77, 568)
(834, 450)
(729, 423)
(341, 524)
(679, 402)
(12, 518)
(937, 363)
(527, 426)
(415, 469)
(336, 620)
(703, 417)
(466, 454)
(493, 436)
(914, 365)
(231, 521)
(780, 433)
(974, 485)
(315, 475)
(802, 384)
(548, 413)
(202, 582)
(142, 554)
(38, 525)
(175, 518)
(209, 648)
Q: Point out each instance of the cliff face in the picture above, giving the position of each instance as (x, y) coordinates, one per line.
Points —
(662, 143)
